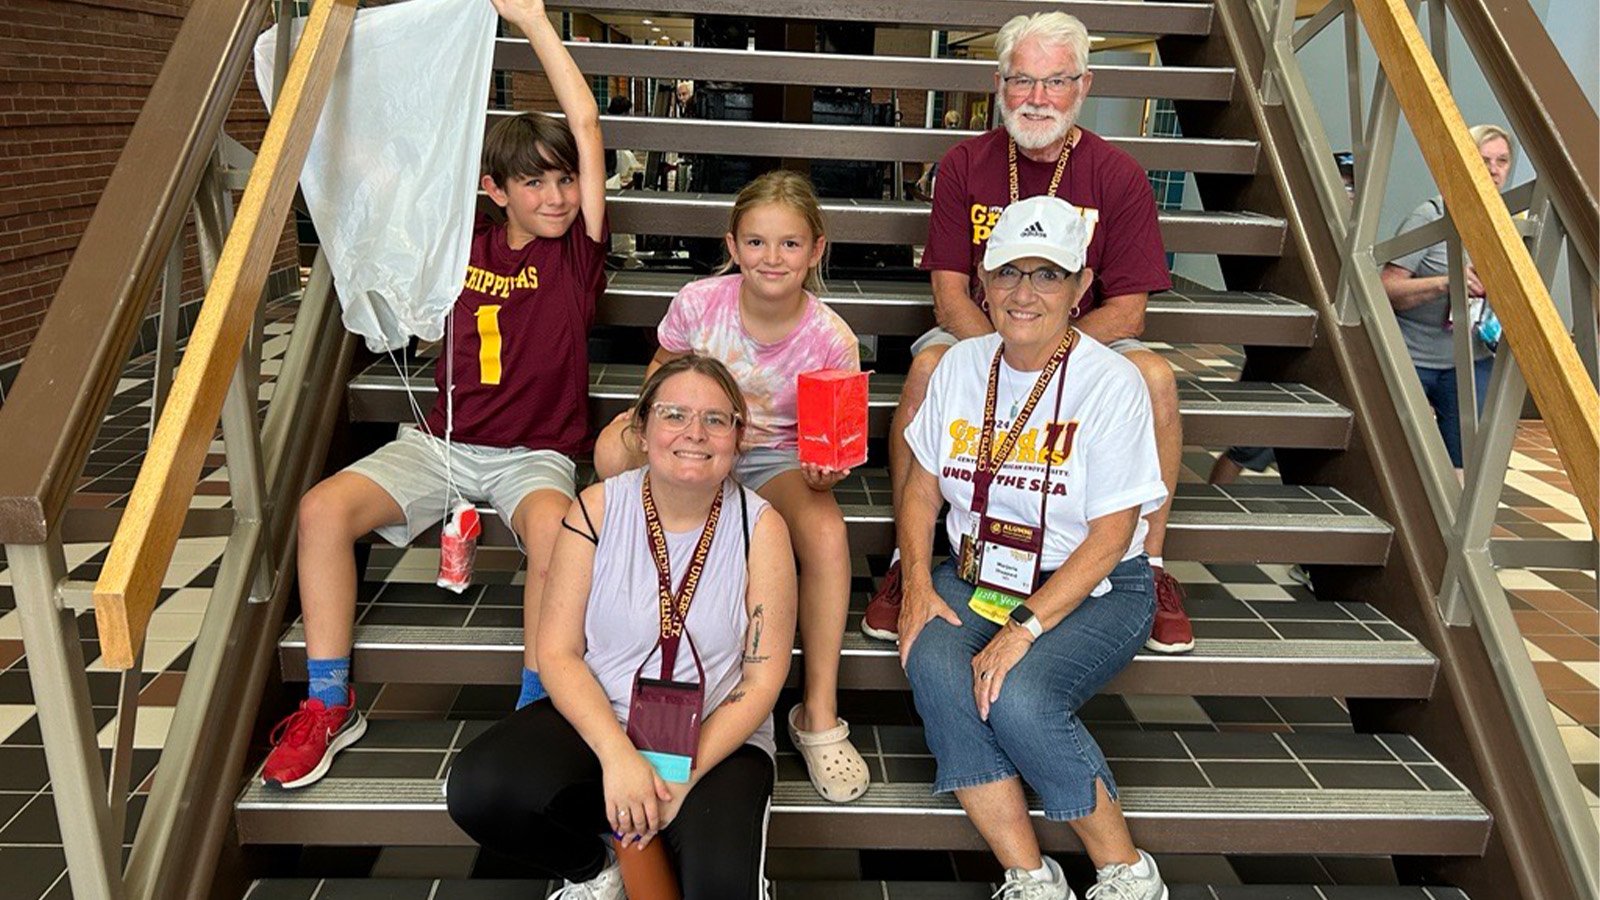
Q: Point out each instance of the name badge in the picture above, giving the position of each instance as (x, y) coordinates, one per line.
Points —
(1007, 566)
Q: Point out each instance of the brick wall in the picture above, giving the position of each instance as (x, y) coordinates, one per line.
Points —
(73, 76)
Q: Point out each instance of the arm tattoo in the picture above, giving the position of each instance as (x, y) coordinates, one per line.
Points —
(734, 697)
(757, 622)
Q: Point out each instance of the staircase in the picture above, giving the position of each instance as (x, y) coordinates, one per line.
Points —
(1379, 778)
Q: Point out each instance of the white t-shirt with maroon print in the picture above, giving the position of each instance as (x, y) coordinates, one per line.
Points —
(1103, 442)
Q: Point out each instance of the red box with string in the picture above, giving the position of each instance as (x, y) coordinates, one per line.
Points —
(832, 418)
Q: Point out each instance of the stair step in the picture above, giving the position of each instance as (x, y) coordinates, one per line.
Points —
(1237, 523)
(846, 70)
(687, 214)
(863, 142)
(419, 633)
(1183, 315)
(1099, 16)
(1215, 413)
(531, 889)
(1183, 792)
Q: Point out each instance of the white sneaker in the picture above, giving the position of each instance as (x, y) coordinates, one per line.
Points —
(605, 886)
(1021, 885)
(1120, 882)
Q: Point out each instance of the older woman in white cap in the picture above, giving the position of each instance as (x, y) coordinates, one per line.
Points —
(1040, 439)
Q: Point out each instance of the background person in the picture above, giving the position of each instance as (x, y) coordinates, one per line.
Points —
(1068, 423)
(545, 784)
(1418, 286)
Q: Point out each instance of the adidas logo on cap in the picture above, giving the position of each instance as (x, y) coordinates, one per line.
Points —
(1034, 230)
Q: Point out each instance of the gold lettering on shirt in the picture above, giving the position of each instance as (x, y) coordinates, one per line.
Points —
(983, 217)
(496, 285)
(1029, 449)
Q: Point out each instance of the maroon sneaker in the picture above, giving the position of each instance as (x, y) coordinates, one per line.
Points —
(1171, 632)
(882, 620)
(305, 743)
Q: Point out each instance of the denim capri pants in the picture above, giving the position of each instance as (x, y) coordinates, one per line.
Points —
(1033, 729)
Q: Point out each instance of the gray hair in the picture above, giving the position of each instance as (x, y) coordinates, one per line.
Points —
(1053, 29)
(1482, 134)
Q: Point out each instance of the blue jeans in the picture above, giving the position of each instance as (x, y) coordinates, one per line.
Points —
(1033, 729)
(1439, 386)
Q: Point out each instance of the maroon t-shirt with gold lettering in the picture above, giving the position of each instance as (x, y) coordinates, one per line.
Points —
(521, 341)
(974, 187)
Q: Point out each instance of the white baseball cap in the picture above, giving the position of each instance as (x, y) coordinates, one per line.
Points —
(1044, 226)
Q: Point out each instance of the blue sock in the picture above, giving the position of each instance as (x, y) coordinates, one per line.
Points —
(532, 688)
(330, 680)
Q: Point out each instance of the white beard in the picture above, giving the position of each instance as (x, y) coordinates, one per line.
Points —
(1037, 135)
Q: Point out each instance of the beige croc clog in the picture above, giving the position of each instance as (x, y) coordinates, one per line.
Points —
(837, 770)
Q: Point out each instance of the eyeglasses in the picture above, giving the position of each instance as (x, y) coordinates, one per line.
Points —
(675, 418)
(1047, 280)
(1055, 85)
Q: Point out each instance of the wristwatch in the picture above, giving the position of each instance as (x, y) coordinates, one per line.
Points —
(1024, 618)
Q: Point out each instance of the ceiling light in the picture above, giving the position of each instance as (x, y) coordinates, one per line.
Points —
(647, 21)
(655, 28)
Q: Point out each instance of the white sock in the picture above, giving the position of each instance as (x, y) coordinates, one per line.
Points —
(895, 557)
(1157, 562)
(1145, 867)
(1050, 872)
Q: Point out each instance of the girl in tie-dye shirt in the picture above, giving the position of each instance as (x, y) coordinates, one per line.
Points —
(767, 326)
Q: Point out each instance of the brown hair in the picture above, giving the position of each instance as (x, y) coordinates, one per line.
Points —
(792, 190)
(708, 366)
(529, 144)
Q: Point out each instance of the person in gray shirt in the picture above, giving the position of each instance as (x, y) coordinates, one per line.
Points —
(1418, 286)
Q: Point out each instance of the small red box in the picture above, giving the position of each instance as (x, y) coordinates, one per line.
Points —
(833, 418)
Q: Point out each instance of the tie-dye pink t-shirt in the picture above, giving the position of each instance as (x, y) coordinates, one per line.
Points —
(704, 318)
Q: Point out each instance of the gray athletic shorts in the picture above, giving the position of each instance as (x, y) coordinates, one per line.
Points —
(938, 337)
(759, 465)
(411, 469)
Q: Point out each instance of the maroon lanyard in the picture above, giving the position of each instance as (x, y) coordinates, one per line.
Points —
(990, 458)
(674, 608)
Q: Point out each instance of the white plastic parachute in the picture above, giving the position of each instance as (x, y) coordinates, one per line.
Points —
(391, 178)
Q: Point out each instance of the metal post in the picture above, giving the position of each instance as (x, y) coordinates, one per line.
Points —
(122, 748)
(1352, 64)
(281, 51)
(1584, 307)
(61, 691)
(1461, 340)
(1439, 37)
(167, 332)
(1372, 174)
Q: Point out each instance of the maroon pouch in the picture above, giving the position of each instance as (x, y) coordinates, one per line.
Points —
(664, 716)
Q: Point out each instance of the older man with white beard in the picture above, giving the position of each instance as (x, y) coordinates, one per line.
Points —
(1041, 83)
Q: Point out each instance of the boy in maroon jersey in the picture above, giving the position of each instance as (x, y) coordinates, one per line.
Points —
(517, 361)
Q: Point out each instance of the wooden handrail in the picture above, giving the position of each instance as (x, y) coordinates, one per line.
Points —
(1555, 374)
(53, 411)
(130, 581)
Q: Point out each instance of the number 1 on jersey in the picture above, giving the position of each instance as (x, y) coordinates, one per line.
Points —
(489, 344)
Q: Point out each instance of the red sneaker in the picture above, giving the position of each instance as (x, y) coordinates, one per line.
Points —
(1171, 632)
(882, 620)
(305, 743)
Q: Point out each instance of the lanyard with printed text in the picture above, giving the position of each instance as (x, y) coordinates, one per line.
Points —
(1055, 179)
(991, 458)
(674, 608)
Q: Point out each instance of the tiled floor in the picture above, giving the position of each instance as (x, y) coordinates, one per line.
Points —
(1557, 610)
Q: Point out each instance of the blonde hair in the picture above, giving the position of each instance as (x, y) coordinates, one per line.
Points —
(790, 189)
(1483, 134)
(1053, 29)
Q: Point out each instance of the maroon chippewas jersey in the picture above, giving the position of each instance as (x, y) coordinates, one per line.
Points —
(520, 342)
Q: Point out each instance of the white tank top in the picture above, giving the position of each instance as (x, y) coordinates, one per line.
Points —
(622, 624)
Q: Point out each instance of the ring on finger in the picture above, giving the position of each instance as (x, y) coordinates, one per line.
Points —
(986, 675)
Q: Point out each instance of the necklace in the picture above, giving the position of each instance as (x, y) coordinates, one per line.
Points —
(1055, 179)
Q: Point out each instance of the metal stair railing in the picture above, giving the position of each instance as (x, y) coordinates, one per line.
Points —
(1557, 368)
(130, 250)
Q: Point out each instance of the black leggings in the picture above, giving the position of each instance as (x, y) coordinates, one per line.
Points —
(531, 788)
